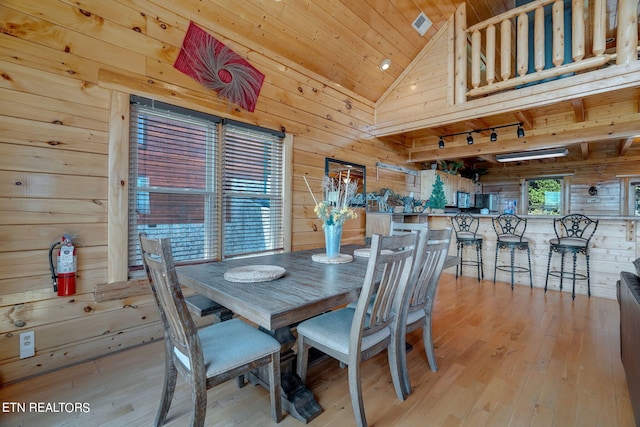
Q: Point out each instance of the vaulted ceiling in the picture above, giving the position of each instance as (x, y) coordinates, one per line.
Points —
(343, 42)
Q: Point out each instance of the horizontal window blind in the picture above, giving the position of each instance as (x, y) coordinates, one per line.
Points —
(172, 164)
(177, 191)
(252, 191)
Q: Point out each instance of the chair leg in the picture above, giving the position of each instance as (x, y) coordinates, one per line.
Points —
(428, 342)
(199, 399)
(480, 260)
(530, 273)
(397, 357)
(546, 281)
(459, 264)
(355, 390)
(478, 263)
(573, 289)
(513, 260)
(274, 387)
(170, 376)
(495, 265)
(561, 269)
(588, 276)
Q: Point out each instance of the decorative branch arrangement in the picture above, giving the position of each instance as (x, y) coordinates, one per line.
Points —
(215, 66)
(337, 194)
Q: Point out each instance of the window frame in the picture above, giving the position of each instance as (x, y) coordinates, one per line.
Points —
(119, 270)
(525, 195)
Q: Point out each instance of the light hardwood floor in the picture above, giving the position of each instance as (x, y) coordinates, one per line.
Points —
(506, 358)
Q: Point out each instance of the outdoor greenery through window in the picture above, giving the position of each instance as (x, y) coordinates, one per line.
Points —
(635, 194)
(213, 186)
(545, 196)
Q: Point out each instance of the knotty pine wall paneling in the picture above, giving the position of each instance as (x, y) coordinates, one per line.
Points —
(61, 67)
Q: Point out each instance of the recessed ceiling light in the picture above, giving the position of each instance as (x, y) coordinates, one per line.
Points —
(384, 65)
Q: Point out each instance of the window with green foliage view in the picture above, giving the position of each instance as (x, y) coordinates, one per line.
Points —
(545, 196)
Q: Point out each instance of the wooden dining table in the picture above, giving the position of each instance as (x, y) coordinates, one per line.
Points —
(307, 288)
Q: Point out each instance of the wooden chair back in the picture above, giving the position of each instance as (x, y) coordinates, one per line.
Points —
(384, 289)
(428, 266)
(179, 328)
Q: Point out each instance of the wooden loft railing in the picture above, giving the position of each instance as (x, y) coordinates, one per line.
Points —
(627, 44)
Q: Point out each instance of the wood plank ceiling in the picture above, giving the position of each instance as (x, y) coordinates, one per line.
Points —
(344, 42)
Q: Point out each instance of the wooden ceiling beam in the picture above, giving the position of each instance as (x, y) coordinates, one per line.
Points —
(478, 124)
(584, 147)
(578, 109)
(624, 145)
(489, 158)
(526, 118)
(556, 136)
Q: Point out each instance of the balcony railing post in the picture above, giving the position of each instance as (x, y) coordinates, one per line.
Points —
(522, 48)
(538, 36)
(461, 55)
(490, 54)
(599, 27)
(558, 32)
(627, 36)
(577, 30)
(505, 49)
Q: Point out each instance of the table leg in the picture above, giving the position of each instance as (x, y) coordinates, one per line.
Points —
(297, 399)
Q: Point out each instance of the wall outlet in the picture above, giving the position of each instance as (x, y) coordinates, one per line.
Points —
(27, 344)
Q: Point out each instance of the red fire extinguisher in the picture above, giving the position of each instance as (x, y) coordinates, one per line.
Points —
(64, 279)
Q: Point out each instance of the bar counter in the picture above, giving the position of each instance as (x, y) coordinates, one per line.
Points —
(613, 248)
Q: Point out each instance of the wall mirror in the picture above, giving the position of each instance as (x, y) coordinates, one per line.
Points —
(358, 173)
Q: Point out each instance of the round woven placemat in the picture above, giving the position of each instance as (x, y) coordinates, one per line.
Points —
(340, 259)
(254, 273)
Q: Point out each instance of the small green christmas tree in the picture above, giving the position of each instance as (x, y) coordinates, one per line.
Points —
(437, 200)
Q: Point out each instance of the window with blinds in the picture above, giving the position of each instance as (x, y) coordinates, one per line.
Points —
(213, 186)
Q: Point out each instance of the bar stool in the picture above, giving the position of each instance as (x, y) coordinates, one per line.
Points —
(466, 229)
(573, 233)
(510, 235)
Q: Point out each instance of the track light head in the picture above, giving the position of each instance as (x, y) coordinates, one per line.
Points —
(494, 136)
(520, 131)
(469, 138)
(441, 143)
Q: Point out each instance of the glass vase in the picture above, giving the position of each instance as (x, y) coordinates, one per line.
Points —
(332, 236)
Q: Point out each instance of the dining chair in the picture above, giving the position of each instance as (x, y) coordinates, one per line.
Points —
(205, 357)
(430, 255)
(353, 335)
(407, 227)
(428, 266)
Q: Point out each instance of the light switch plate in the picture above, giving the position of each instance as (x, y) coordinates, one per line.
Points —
(27, 344)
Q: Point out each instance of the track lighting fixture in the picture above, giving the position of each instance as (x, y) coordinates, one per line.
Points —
(493, 136)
